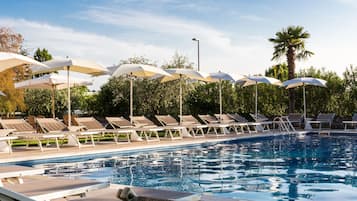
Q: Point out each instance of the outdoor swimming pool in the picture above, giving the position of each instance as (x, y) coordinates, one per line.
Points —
(275, 168)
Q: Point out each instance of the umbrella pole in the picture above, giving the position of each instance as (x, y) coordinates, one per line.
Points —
(220, 100)
(180, 99)
(69, 98)
(131, 99)
(53, 102)
(256, 100)
(303, 89)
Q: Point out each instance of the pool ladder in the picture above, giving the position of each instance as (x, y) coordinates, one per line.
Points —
(283, 123)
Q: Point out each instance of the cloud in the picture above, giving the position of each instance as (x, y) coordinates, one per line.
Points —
(254, 18)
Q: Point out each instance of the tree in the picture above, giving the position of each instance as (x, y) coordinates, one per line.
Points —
(42, 55)
(11, 42)
(290, 42)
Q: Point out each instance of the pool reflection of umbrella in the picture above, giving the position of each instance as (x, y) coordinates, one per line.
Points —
(255, 80)
(138, 70)
(180, 73)
(10, 60)
(52, 82)
(76, 65)
(303, 81)
(219, 77)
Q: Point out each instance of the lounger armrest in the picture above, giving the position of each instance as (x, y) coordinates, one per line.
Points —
(349, 122)
(5, 132)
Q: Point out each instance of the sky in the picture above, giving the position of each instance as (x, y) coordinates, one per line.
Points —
(233, 34)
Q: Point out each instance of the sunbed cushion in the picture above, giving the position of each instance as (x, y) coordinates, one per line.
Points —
(20, 125)
(89, 122)
(168, 120)
(119, 122)
(51, 125)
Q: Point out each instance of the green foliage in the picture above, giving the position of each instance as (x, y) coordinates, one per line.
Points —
(42, 55)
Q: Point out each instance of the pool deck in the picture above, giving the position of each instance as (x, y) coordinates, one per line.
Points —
(33, 153)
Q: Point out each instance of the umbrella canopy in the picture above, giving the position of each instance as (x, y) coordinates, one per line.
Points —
(10, 60)
(179, 74)
(219, 77)
(76, 65)
(138, 70)
(255, 80)
(303, 81)
(2, 93)
(52, 82)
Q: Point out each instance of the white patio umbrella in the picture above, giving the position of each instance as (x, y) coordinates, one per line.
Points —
(303, 81)
(76, 65)
(180, 73)
(255, 80)
(52, 82)
(10, 60)
(141, 71)
(219, 77)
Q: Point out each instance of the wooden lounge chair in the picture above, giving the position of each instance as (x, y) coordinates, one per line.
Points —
(213, 123)
(25, 131)
(352, 123)
(322, 119)
(296, 119)
(93, 125)
(171, 125)
(148, 128)
(73, 133)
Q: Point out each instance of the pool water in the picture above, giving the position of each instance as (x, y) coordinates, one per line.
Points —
(275, 168)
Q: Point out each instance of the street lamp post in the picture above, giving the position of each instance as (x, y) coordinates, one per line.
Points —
(198, 52)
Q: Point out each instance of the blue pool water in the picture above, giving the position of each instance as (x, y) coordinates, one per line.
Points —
(276, 168)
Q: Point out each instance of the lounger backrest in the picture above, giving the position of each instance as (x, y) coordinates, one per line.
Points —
(189, 119)
(224, 118)
(119, 122)
(295, 117)
(167, 120)
(49, 125)
(326, 117)
(354, 117)
(20, 125)
(89, 122)
(259, 117)
(238, 118)
(142, 121)
(208, 119)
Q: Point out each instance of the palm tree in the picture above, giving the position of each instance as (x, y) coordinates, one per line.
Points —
(290, 42)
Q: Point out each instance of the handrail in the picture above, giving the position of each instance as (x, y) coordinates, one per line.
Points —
(284, 124)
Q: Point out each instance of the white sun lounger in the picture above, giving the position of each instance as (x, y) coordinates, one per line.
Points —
(352, 123)
(15, 173)
(6, 140)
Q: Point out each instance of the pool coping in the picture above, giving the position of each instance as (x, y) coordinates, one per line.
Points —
(140, 147)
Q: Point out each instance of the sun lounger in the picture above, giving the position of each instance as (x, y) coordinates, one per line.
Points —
(168, 120)
(73, 133)
(237, 127)
(251, 127)
(93, 125)
(121, 123)
(263, 120)
(296, 119)
(352, 123)
(148, 128)
(218, 129)
(25, 131)
(43, 188)
(214, 124)
(6, 140)
(195, 128)
(15, 173)
(321, 119)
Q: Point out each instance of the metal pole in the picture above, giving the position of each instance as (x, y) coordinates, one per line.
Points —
(303, 89)
(220, 100)
(180, 99)
(53, 102)
(69, 97)
(131, 99)
(256, 100)
(198, 55)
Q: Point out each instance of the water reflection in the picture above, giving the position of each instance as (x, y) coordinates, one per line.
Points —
(280, 168)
